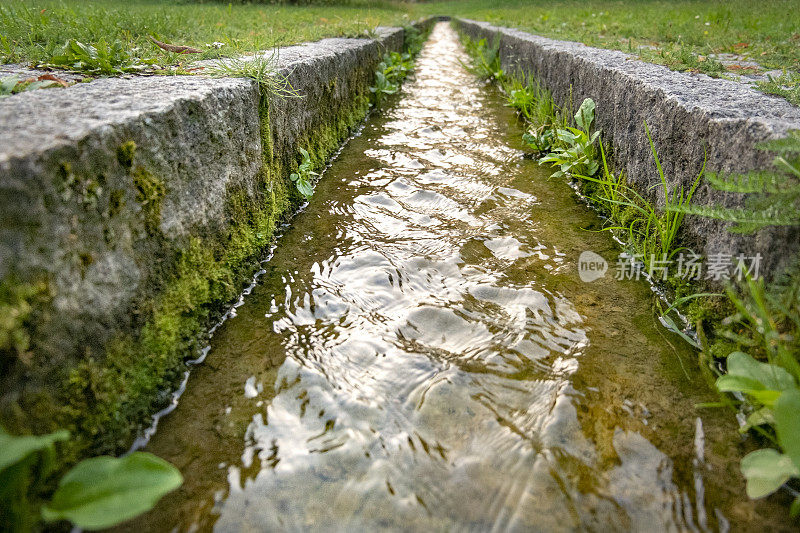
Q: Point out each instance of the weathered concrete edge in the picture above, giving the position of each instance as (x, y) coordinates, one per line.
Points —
(691, 117)
(72, 208)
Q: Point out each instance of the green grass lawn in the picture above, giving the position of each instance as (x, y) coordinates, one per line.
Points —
(37, 30)
(768, 31)
(680, 34)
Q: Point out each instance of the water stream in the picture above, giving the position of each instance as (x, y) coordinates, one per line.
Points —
(421, 354)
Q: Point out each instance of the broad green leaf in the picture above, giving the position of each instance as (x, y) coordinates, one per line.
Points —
(305, 188)
(766, 470)
(7, 84)
(794, 509)
(749, 386)
(787, 424)
(585, 115)
(730, 383)
(565, 136)
(770, 376)
(14, 449)
(758, 417)
(104, 491)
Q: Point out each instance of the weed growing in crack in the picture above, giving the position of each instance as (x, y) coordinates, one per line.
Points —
(259, 68)
(304, 175)
(485, 59)
(390, 73)
(576, 153)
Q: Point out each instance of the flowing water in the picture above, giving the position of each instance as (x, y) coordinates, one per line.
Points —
(421, 354)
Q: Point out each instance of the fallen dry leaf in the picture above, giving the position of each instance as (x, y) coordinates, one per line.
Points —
(740, 67)
(50, 77)
(176, 48)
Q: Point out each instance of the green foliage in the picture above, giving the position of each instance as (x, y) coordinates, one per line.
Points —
(485, 59)
(535, 104)
(786, 85)
(25, 463)
(390, 73)
(13, 84)
(766, 471)
(100, 58)
(773, 196)
(36, 30)
(259, 68)
(14, 450)
(102, 492)
(774, 393)
(766, 324)
(96, 493)
(529, 98)
(304, 175)
(651, 232)
(413, 39)
(383, 87)
(681, 57)
(608, 191)
(577, 154)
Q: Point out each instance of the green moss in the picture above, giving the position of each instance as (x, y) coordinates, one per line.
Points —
(125, 153)
(85, 190)
(17, 301)
(150, 192)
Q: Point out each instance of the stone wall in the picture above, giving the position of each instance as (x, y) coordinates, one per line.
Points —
(132, 209)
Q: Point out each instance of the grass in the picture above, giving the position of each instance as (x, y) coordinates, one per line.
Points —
(680, 34)
(37, 30)
(683, 35)
(786, 85)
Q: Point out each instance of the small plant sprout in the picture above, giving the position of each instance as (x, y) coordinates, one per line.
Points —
(485, 59)
(302, 178)
(391, 72)
(578, 154)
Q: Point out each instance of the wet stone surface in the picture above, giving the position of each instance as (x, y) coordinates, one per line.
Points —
(421, 354)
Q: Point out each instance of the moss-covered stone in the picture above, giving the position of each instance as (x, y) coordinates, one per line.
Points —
(119, 203)
(104, 400)
(150, 192)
